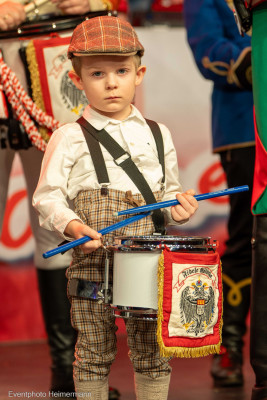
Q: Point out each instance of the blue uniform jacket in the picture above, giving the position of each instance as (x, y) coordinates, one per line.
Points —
(213, 34)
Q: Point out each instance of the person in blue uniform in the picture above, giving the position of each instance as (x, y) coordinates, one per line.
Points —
(223, 56)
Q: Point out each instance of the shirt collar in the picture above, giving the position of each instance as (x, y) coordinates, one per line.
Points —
(100, 121)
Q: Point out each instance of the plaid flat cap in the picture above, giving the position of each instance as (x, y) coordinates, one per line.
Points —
(104, 35)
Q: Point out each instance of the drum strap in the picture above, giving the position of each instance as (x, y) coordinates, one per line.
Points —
(95, 137)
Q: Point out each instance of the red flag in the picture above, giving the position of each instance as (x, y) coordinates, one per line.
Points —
(190, 304)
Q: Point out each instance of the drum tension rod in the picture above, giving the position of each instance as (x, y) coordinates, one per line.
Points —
(104, 297)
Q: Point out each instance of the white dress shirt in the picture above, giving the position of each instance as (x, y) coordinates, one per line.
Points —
(67, 167)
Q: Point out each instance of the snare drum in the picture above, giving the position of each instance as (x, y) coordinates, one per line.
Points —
(135, 268)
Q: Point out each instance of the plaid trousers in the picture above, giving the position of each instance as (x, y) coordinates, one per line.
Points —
(96, 345)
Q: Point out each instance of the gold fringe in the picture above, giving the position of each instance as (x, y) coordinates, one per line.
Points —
(160, 301)
(181, 352)
(36, 84)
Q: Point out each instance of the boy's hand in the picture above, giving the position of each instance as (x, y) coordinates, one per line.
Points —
(78, 230)
(187, 207)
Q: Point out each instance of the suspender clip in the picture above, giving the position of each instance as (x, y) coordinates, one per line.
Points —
(104, 189)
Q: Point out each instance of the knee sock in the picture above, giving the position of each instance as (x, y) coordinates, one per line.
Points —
(92, 390)
(147, 388)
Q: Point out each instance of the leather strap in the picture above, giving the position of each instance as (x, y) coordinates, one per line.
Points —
(127, 165)
(155, 129)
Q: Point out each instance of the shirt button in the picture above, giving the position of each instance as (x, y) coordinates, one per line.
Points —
(131, 144)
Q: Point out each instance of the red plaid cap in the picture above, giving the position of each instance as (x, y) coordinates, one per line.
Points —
(104, 35)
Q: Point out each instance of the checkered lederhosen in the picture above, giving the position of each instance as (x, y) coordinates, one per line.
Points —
(96, 344)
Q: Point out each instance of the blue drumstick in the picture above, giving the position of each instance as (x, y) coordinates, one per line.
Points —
(169, 203)
(78, 242)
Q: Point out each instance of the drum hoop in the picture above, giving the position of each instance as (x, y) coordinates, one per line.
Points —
(126, 312)
(163, 238)
(166, 240)
(156, 249)
(56, 23)
(156, 243)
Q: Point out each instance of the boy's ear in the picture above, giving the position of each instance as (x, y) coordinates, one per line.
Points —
(76, 79)
(140, 74)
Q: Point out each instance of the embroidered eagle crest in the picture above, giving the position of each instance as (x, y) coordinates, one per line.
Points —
(197, 307)
(74, 99)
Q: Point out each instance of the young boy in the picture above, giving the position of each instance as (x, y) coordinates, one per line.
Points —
(106, 54)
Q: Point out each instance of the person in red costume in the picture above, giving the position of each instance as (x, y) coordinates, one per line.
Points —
(51, 275)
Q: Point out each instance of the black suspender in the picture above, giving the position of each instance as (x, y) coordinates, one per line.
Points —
(95, 137)
(96, 154)
(159, 143)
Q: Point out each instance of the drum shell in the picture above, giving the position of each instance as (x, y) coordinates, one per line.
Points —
(135, 279)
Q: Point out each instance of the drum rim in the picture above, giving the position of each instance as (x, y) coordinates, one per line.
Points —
(151, 243)
(126, 312)
(166, 238)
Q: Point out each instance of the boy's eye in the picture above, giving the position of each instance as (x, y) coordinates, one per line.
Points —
(122, 71)
(97, 73)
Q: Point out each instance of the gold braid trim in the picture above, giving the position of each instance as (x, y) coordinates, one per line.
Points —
(213, 66)
(36, 85)
(228, 70)
(181, 352)
(234, 296)
(232, 78)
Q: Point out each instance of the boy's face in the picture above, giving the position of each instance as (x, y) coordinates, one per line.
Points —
(109, 83)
